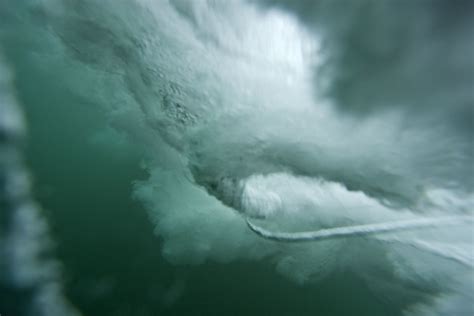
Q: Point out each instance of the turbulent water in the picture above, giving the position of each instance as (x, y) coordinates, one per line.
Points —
(345, 127)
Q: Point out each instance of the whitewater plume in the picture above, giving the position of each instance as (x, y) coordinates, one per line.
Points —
(324, 117)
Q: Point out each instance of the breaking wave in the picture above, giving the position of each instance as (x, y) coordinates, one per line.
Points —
(317, 116)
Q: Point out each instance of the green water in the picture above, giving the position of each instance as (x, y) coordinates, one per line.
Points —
(154, 129)
(111, 259)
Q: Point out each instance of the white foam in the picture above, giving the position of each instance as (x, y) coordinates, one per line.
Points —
(209, 90)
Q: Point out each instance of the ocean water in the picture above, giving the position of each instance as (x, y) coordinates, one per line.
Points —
(236, 157)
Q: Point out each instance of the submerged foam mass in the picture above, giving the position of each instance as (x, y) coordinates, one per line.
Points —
(29, 273)
(307, 116)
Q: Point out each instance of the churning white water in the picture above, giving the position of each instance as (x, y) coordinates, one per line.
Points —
(295, 120)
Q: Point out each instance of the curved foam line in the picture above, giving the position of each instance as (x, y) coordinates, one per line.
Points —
(359, 230)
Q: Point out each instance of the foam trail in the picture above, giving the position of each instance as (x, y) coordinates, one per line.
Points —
(359, 230)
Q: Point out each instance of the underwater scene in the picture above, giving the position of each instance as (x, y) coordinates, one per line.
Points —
(236, 157)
